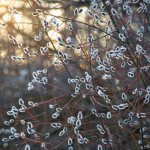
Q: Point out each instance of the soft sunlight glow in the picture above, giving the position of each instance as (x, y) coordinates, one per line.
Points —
(7, 17)
(18, 17)
(4, 2)
(53, 34)
(24, 23)
(55, 12)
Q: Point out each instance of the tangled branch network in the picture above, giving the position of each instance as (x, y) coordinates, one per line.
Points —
(89, 62)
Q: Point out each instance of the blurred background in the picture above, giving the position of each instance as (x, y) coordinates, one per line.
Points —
(21, 30)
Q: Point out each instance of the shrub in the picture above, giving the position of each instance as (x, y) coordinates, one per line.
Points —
(90, 84)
